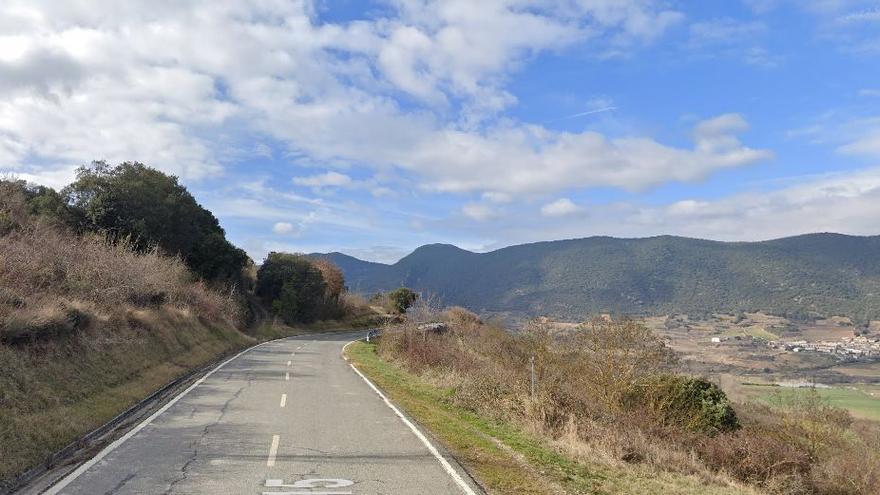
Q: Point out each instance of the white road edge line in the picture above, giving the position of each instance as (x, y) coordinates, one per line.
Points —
(57, 487)
(283, 400)
(443, 462)
(273, 450)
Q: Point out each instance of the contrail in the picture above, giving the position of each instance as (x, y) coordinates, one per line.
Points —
(581, 114)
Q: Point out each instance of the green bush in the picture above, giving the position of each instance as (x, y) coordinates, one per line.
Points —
(401, 299)
(694, 404)
(293, 286)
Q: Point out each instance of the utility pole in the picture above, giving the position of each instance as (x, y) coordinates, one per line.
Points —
(532, 365)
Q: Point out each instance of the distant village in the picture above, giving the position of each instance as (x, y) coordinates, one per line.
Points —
(846, 348)
(849, 348)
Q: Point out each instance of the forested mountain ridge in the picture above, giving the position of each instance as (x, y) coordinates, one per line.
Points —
(812, 274)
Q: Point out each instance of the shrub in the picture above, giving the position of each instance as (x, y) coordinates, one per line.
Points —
(693, 404)
(610, 358)
(459, 316)
(401, 299)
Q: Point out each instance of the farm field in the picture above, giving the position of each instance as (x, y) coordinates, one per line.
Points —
(857, 400)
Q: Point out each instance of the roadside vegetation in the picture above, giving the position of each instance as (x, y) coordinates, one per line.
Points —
(609, 405)
(397, 301)
(117, 285)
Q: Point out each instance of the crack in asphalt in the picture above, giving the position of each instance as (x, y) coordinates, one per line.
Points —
(119, 485)
(198, 441)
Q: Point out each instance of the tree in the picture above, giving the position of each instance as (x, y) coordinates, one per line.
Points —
(333, 277)
(292, 285)
(401, 299)
(153, 209)
(23, 203)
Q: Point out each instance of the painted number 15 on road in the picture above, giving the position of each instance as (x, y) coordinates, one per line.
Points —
(314, 486)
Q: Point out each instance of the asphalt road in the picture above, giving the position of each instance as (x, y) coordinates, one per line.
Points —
(289, 417)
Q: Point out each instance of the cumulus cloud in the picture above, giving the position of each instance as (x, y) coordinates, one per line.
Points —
(283, 228)
(560, 207)
(181, 85)
(532, 159)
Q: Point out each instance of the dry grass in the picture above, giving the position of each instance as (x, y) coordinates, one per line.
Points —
(507, 458)
(584, 407)
(53, 391)
(41, 265)
(87, 328)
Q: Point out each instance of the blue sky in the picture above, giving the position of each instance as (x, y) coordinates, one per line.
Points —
(373, 128)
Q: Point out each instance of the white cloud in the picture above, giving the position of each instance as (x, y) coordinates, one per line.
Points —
(725, 30)
(181, 85)
(479, 212)
(848, 24)
(497, 197)
(868, 145)
(869, 92)
(329, 179)
(731, 38)
(861, 16)
(846, 203)
(532, 159)
(560, 207)
(283, 228)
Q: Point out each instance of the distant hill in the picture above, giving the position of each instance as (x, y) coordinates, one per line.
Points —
(807, 275)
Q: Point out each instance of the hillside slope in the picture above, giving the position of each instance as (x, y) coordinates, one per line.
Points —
(810, 274)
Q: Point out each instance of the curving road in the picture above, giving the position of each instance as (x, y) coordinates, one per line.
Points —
(288, 417)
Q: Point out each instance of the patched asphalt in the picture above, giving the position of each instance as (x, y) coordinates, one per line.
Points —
(335, 434)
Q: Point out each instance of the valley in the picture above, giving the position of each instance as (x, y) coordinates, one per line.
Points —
(758, 356)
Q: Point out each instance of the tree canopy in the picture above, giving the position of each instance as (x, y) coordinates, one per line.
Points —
(293, 286)
(153, 209)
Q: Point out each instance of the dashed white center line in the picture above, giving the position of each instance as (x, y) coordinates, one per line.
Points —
(288, 363)
(273, 450)
(283, 400)
(287, 376)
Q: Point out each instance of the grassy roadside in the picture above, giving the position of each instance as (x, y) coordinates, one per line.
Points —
(505, 459)
(55, 392)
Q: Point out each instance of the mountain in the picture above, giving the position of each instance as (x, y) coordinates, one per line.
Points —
(813, 274)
